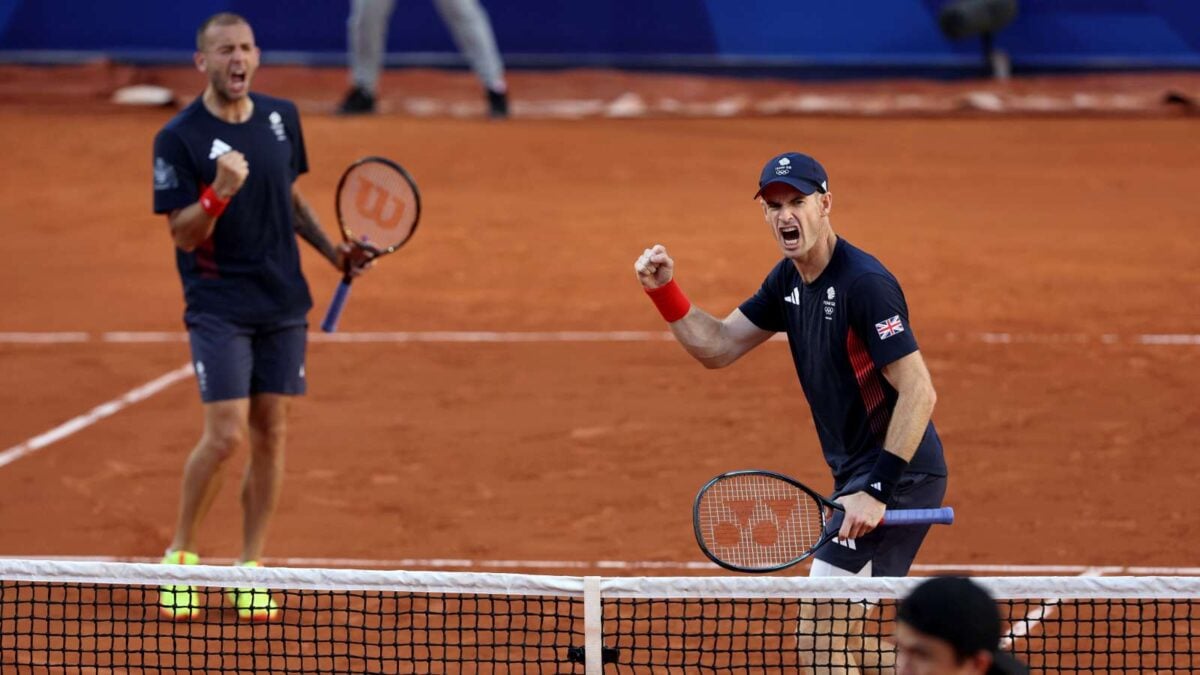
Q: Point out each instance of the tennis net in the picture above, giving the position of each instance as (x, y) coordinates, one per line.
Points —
(58, 616)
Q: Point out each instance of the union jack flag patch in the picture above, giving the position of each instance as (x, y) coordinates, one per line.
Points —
(889, 327)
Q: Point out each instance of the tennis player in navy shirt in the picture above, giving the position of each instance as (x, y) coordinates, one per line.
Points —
(856, 355)
(225, 170)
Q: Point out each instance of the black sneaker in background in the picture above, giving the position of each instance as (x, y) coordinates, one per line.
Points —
(358, 101)
(497, 104)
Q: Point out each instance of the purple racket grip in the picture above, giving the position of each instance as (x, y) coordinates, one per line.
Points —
(330, 323)
(942, 516)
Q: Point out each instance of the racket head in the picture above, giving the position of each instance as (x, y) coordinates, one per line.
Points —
(758, 521)
(378, 205)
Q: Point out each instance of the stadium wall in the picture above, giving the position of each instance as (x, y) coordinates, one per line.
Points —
(811, 38)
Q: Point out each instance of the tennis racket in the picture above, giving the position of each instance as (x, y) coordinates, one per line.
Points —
(761, 521)
(378, 207)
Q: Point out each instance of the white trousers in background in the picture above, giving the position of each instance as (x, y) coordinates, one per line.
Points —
(468, 24)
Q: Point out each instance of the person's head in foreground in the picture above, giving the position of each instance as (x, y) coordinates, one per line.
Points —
(950, 625)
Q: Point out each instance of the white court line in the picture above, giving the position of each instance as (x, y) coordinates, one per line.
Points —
(94, 415)
(43, 338)
(495, 336)
(1162, 571)
(392, 337)
(1081, 570)
(1169, 339)
(143, 336)
(1025, 627)
(465, 563)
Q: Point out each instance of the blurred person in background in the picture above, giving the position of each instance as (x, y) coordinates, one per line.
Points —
(468, 22)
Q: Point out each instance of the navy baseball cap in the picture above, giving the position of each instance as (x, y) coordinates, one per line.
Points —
(798, 170)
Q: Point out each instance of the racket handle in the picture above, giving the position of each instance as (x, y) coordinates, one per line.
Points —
(330, 323)
(942, 516)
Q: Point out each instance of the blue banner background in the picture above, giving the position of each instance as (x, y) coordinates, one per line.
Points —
(699, 33)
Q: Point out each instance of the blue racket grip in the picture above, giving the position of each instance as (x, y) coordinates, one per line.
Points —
(330, 323)
(942, 516)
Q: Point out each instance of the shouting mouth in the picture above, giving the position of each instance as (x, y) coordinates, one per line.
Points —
(790, 234)
(237, 80)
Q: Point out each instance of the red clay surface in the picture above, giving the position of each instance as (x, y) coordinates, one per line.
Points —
(1079, 452)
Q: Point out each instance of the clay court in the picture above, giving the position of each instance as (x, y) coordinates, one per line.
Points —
(517, 398)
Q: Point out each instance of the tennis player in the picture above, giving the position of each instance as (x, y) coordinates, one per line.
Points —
(856, 355)
(224, 174)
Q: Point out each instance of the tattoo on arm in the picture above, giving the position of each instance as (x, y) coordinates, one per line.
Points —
(310, 230)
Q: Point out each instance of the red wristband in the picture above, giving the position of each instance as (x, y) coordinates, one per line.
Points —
(211, 203)
(670, 301)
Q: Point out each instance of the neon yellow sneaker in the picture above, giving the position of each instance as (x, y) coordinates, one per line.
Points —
(180, 603)
(253, 604)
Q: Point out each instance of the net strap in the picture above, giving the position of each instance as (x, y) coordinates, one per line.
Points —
(593, 635)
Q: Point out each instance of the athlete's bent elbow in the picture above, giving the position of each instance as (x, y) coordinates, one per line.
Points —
(716, 361)
(185, 245)
(180, 235)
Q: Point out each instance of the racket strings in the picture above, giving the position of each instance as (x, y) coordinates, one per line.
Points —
(377, 206)
(758, 522)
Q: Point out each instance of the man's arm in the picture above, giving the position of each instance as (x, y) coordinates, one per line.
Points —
(716, 344)
(310, 230)
(914, 408)
(712, 342)
(190, 226)
(194, 223)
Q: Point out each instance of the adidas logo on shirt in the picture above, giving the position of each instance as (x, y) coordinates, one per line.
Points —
(793, 297)
(219, 147)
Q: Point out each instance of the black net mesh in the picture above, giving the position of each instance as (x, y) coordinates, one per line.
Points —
(69, 627)
(479, 623)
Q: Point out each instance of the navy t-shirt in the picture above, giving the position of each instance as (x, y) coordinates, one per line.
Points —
(248, 270)
(843, 328)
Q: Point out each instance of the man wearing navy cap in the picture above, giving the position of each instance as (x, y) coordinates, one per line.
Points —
(855, 353)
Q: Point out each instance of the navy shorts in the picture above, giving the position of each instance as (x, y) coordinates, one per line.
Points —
(890, 550)
(236, 360)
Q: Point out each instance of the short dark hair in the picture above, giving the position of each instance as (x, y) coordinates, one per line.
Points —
(954, 609)
(962, 613)
(219, 19)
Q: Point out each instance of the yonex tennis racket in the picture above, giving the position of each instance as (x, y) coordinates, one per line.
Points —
(378, 207)
(761, 521)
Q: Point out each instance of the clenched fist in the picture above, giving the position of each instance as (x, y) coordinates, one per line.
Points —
(654, 267)
(232, 170)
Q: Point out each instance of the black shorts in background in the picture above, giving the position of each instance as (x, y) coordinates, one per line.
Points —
(236, 360)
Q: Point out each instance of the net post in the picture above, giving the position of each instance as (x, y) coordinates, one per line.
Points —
(593, 633)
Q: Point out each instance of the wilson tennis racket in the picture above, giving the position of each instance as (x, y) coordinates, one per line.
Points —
(378, 207)
(761, 521)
